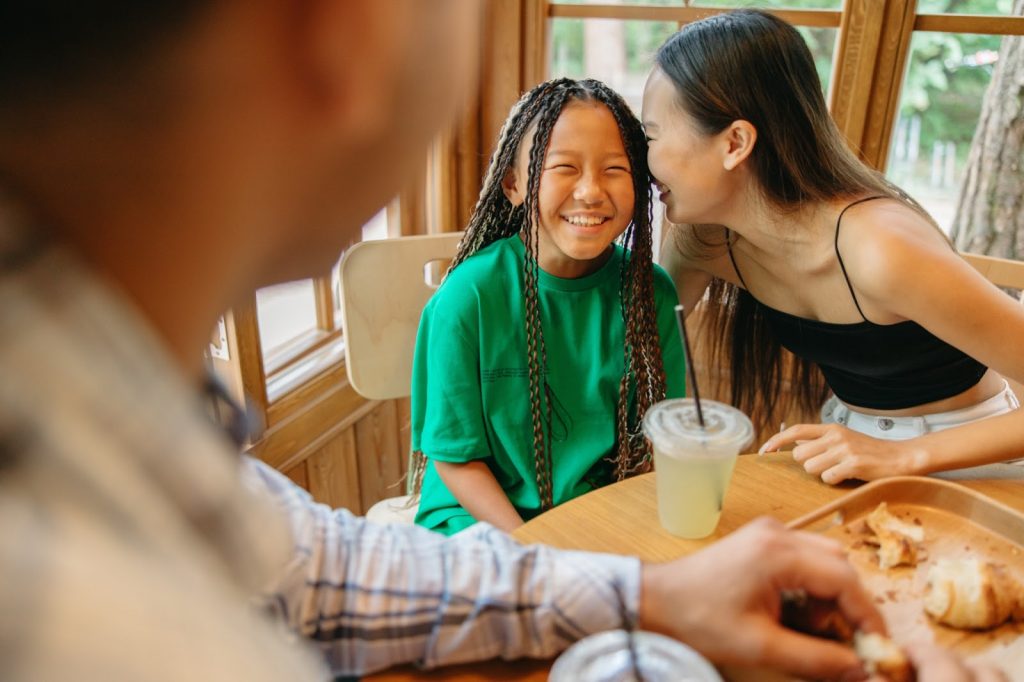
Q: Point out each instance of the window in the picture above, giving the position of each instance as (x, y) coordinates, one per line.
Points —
(297, 321)
(940, 105)
(962, 7)
(617, 45)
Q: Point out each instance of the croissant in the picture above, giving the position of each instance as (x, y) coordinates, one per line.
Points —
(881, 520)
(882, 657)
(896, 539)
(973, 594)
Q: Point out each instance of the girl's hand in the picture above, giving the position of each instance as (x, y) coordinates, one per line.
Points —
(837, 453)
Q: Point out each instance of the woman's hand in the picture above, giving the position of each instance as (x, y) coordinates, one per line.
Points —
(837, 453)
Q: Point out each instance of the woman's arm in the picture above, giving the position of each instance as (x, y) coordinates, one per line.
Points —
(836, 453)
(902, 271)
(477, 490)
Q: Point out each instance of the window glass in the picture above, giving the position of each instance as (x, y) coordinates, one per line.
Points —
(377, 228)
(940, 106)
(621, 52)
(285, 312)
(964, 6)
(618, 52)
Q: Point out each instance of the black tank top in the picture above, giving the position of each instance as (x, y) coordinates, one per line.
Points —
(882, 367)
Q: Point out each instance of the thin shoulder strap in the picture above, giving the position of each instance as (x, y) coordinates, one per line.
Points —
(728, 244)
(842, 266)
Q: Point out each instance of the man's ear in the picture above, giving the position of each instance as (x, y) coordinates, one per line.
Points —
(514, 189)
(739, 140)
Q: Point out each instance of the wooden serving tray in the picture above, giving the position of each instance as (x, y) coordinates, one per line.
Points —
(957, 523)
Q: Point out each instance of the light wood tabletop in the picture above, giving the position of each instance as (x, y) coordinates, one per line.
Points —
(623, 519)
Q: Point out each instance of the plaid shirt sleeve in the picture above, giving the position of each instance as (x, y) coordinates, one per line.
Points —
(373, 596)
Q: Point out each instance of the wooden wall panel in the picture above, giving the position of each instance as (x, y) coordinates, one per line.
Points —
(874, 39)
(333, 472)
(380, 454)
(295, 439)
(404, 407)
(299, 475)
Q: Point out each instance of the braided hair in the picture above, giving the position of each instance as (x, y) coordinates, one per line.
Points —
(494, 218)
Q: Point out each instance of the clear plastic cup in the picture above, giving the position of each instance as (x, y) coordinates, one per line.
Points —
(608, 657)
(693, 464)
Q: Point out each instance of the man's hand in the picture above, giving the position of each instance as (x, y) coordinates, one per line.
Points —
(725, 601)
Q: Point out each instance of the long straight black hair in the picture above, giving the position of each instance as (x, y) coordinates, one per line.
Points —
(749, 65)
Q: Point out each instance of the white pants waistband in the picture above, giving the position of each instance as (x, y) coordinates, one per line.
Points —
(902, 428)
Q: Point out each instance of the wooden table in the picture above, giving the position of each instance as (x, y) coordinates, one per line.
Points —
(623, 519)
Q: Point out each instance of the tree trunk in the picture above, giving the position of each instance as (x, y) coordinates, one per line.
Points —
(990, 215)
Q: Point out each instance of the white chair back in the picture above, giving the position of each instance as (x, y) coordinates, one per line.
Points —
(384, 286)
(1000, 271)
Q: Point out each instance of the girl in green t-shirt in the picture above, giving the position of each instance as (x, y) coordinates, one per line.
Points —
(553, 331)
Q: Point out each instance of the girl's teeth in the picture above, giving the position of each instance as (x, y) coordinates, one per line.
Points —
(583, 221)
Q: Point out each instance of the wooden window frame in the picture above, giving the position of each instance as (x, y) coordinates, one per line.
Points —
(868, 71)
(308, 370)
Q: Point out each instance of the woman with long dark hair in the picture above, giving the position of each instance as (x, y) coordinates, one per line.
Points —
(819, 273)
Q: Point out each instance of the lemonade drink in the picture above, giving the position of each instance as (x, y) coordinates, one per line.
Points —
(693, 464)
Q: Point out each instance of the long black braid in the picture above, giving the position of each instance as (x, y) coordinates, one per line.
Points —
(494, 218)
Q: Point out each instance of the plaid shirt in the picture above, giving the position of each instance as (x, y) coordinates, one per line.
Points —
(136, 545)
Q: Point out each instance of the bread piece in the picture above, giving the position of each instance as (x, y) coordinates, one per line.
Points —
(972, 594)
(882, 657)
(895, 549)
(896, 539)
(813, 616)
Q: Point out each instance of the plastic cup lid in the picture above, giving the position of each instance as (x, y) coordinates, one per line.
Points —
(673, 423)
(606, 657)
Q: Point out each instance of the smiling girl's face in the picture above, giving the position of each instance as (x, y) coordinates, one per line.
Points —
(586, 189)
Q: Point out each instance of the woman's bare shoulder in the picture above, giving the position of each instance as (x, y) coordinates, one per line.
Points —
(886, 242)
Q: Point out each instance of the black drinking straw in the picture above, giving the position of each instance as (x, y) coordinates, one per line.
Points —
(688, 359)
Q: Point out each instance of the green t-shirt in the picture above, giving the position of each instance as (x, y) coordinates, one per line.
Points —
(470, 383)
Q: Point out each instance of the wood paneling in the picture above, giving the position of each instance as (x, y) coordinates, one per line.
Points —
(334, 473)
(535, 42)
(362, 460)
(324, 303)
(874, 40)
(305, 432)
(404, 407)
(242, 373)
(967, 23)
(380, 461)
(299, 475)
(294, 402)
(820, 18)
